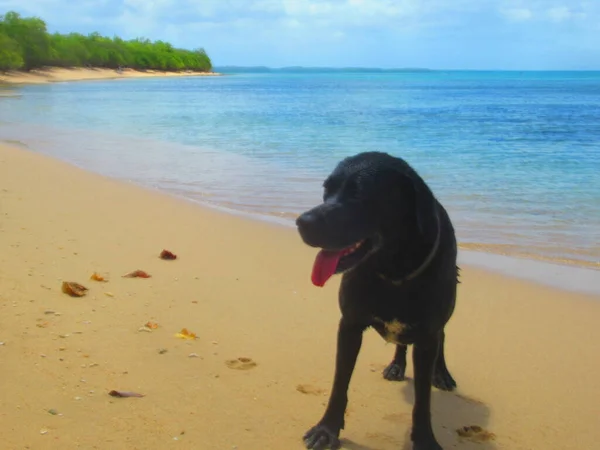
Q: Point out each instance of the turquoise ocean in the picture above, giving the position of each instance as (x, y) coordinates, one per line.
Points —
(514, 156)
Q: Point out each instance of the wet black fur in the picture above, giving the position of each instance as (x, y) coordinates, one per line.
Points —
(380, 198)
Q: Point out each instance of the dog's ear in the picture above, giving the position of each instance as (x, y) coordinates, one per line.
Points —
(425, 206)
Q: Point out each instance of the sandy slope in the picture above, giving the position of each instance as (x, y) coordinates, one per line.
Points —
(525, 356)
(57, 74)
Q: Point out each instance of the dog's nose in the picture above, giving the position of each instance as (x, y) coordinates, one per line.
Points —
(304, 221)
(312, 227)
(307, 224)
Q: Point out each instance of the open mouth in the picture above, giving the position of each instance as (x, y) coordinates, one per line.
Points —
(329, 262)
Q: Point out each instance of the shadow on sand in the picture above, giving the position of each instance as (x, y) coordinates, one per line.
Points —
(451, 411)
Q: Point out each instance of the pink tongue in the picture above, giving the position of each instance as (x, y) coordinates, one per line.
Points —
(325, 264)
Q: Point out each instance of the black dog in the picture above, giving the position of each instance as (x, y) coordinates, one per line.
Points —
(382, 227)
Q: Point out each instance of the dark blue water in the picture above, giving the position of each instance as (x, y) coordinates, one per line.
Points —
(514, 156)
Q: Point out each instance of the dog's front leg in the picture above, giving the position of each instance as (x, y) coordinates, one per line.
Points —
(424, 358)
(396, 370)
(326, 433)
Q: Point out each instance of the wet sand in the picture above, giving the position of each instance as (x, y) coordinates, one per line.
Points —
(525, 356)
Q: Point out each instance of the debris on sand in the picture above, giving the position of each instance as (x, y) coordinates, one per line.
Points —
(137, 274)
(148, 326)
(186, 334)
(475, 433)
(124, 394)
(97, 277)
(167, 255)
(73, 289)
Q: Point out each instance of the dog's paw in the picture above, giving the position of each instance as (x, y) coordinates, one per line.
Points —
(394, 372)
(321, 437)
(443, 381)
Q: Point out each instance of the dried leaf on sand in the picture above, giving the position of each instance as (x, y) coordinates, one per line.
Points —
(97, 277)
(73, 289)
(137, 274)
(166, 254)
(186, 334)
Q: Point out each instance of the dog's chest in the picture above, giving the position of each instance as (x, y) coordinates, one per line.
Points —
(392, 331)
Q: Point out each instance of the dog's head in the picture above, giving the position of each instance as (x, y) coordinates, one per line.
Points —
(373, 205)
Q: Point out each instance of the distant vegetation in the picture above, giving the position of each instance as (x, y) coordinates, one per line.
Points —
(25, 44)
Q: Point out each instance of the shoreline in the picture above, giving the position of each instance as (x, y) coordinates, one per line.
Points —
(59, 74)
(512, 251)
(568, 275)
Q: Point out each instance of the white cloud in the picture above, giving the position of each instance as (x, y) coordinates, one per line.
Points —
(549, 10)
(559, 14)
(517, 14)
(563, 14)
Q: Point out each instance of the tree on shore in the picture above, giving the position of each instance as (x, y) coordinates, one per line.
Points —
(25, 44)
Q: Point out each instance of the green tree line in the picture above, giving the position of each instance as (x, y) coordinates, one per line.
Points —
(25, 44)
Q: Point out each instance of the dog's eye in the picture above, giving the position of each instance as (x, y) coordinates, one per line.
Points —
(330, 185)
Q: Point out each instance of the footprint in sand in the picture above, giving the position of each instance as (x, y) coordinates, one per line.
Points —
(378, 367)
(241, 363)
(468, 399)
(475, 433)
(309, 389)
(397, 417)
(382, 437)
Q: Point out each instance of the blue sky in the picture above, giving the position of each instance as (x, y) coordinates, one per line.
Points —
(438, 34)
